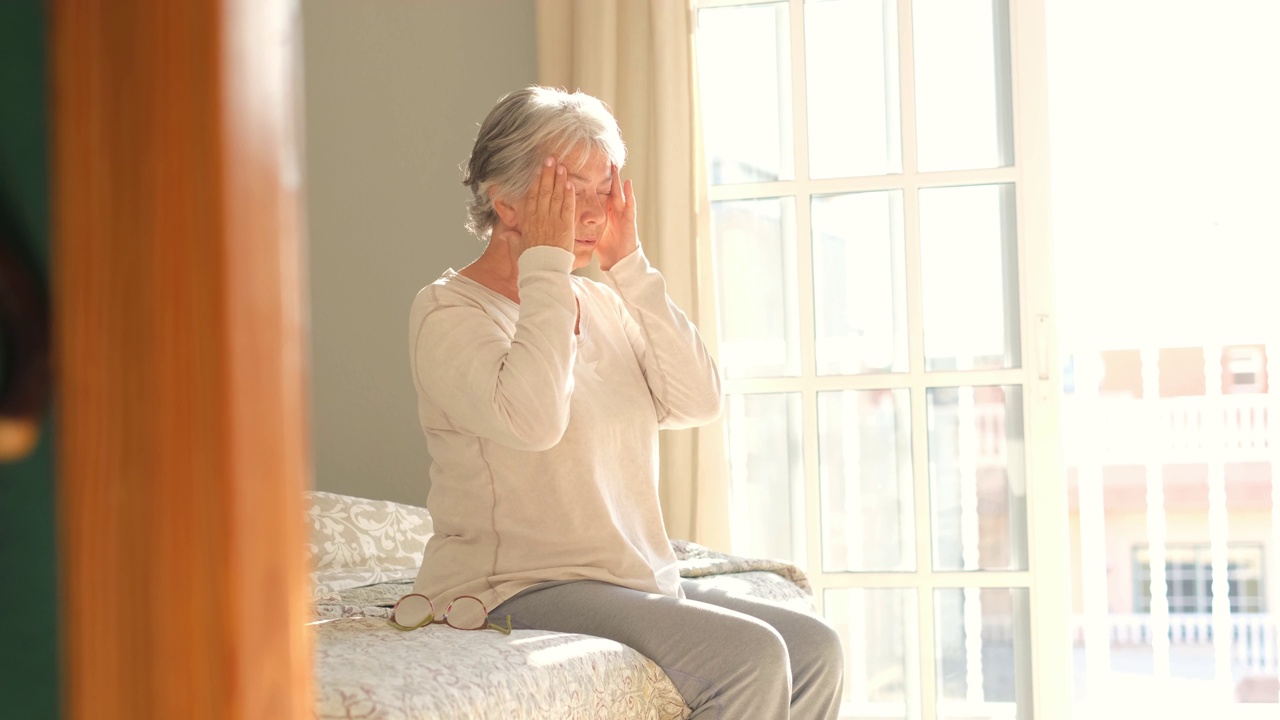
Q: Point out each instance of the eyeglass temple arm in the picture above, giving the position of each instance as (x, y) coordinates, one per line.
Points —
(505, 630)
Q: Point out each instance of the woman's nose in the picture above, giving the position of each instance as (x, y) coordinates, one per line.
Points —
(591, 209)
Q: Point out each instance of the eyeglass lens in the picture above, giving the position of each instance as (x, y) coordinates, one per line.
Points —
(466, 613)
(412, 610)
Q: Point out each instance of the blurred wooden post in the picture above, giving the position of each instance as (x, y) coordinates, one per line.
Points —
(1157, 526)
(1273, 452)
(178, 301)
(1213, 433)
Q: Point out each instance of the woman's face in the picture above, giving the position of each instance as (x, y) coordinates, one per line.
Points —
(592, 176)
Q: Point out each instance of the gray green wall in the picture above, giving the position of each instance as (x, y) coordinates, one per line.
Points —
(395, 90)
(28, 559)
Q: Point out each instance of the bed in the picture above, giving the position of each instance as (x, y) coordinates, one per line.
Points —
(365, 555)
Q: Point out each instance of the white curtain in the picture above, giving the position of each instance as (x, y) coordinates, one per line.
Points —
(637, 56)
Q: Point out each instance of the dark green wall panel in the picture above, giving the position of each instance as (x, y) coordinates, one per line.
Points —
(28, 557)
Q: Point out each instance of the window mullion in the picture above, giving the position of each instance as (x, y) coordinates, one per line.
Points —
(752, 191)
(813, 495)
(702, 4)
(928, 580)
(799, 93)
(907, 89)
(804, 277)
(924, 548)
(873, 381)
(915, 352)
(865, 183)
(911, 204)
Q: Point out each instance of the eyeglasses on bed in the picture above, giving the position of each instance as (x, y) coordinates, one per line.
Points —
(466, 612)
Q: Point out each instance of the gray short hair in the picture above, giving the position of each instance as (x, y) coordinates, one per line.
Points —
(520, 131)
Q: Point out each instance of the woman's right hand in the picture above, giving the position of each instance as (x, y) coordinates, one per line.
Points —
(549, 213)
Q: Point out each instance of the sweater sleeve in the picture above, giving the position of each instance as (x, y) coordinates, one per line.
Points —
(682, 375)
(512, 390)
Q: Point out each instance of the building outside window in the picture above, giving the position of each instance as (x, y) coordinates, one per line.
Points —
(1189, 573)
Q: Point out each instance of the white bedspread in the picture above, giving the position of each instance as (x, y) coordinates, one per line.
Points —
(366, 555)
(365, 669)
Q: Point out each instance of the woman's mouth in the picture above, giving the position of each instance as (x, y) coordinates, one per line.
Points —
(587, 241)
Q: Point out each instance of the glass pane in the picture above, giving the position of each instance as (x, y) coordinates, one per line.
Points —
(864, 446)
(859, 283)
(879, 629)
(977, 478)
(982, 641)
(969, 264)
(744, 73)
(851, 66)
(755, 243)
(766, 476)
(964, 104)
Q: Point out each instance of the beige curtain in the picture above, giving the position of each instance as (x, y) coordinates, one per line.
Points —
(637, 56)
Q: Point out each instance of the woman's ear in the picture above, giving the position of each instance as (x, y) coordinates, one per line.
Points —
(506, 212)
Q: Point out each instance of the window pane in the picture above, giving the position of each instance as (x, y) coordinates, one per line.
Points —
(755, 243)
(744, 73)
(859, 283)
(766, 476)
(851, 67)
(864, 445)
(879, 630)
(969, 258)
(982, 641)
(977, 480)
(964, 108)
(1189, 578)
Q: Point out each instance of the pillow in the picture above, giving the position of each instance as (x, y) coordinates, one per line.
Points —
(355, 541)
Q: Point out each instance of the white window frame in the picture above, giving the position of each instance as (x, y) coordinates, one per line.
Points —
(1047, 577)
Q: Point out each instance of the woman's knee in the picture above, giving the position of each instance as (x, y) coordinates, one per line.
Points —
(761, 645)
(818, 668)
(741, 669)
(832, 646)
(816, 646)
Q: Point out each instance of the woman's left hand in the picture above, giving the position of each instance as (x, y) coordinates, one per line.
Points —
(619, 239)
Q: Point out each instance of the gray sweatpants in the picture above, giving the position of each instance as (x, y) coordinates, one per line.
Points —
(731, 656)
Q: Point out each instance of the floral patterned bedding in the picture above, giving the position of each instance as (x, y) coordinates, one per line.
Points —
(366, 556)
(365, 669)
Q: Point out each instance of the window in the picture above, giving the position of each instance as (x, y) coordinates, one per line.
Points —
(1244, 370)
(1189, 576)
(877, 233)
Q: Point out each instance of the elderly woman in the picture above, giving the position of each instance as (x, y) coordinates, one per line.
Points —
(541, 395)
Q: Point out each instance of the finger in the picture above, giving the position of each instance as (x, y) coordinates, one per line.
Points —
(630, 192)
(542, 188)
(557, 192)
(568, 213)
(615, 191)
(546, 186)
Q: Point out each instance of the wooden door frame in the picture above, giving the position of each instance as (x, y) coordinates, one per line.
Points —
(180, 358)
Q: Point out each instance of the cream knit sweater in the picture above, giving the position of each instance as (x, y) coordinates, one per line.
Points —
(544, 443)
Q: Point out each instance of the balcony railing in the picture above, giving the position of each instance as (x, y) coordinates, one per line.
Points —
(1118, 431)
(1131, 431)
(1255, 637)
